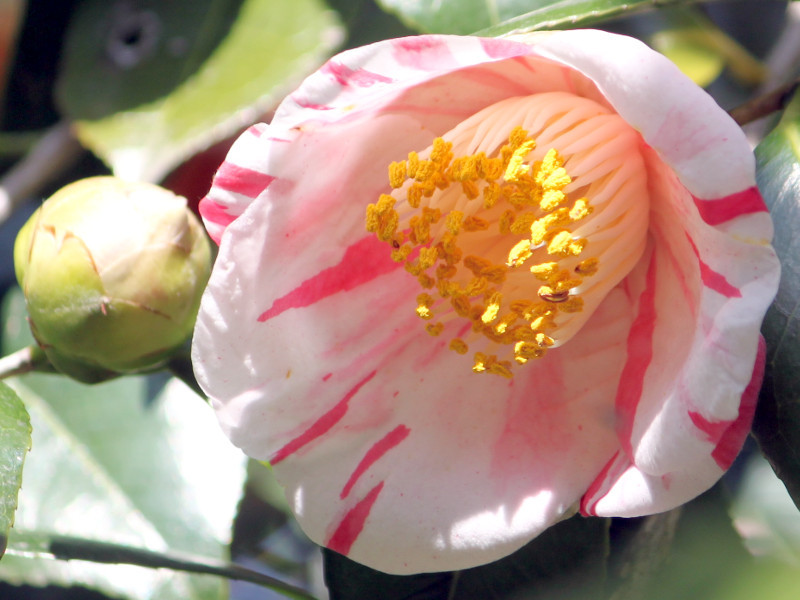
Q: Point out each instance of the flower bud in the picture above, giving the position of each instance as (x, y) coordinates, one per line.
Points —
(112, 274)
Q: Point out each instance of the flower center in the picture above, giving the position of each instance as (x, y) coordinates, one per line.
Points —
(517, 233)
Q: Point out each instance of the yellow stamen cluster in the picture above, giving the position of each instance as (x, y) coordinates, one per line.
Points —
(511, 299)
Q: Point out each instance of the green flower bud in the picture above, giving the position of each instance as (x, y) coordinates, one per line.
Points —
(112, 273)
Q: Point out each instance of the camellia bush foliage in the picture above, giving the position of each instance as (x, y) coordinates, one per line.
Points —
(399, 299)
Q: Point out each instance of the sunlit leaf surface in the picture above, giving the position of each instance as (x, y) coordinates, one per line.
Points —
(496, 17)
(125, 463)
(164, 109)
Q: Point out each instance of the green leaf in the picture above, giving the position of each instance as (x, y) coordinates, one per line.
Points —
(497, 17)
(15, 441)
(777, 422)
(156, 113)
(702, 50)
(117, 463)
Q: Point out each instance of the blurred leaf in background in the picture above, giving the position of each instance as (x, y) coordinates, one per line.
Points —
(151, 83)
(117, 462)
(15, 441)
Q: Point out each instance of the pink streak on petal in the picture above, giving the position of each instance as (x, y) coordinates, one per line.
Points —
(497, 48)
(305, 103)
(353, 522)
(346, 76)
(362, 262)
(713, 280)
(321, 426)
(732, 439)
(424, 53)
(241, 180)
(722, 210)
(611, 472)
(640, 353)
(214, 212)
(378, 449)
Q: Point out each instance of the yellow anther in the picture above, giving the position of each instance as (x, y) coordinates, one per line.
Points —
(473, 223)
(543, 322)
(426, 281)
(587, 267)
(434, 329)
(479, 365)
(519, 253)
(420, 230)
(477, 264)
(461, 305)
(580, 209)
(505, 322)
(491, 194)
(477, 287)
(470, 189)
(492, 309)
(572, 304)
(424, 303)
(445, 271)
(541, 227)
(459, 346)
(441, 152)
(414, 195)
(412, 165)
(516, 138)
(523, 222)
(454, 221)
(495, 274)
(517, 168)
(397, 174)
(552, 199)
(562, 244)
(550, 173)
(524, 351)
(545, 271)
(505, 221)
(427, 258)
(401, 253)
(502, 368)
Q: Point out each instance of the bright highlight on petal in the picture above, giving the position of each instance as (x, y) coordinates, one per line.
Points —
(504, 232)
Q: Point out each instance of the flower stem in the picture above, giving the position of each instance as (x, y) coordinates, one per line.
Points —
(56, 151)
(75, 548)
(30, 358)
(766, 104)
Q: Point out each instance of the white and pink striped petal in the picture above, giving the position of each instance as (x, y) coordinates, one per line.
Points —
(391, 449)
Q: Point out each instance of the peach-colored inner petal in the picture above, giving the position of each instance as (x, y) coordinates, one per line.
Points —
(517, 223)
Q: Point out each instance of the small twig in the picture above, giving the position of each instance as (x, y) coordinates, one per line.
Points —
(28, 359)
(765, 105)
(75, 548)
(56, 151)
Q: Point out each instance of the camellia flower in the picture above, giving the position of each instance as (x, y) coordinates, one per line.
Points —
(467, 287)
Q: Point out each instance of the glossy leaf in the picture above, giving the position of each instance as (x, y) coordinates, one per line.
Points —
(117, 463)
(496, 17)
(15, 441)
(142, 135)
(777, 422)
